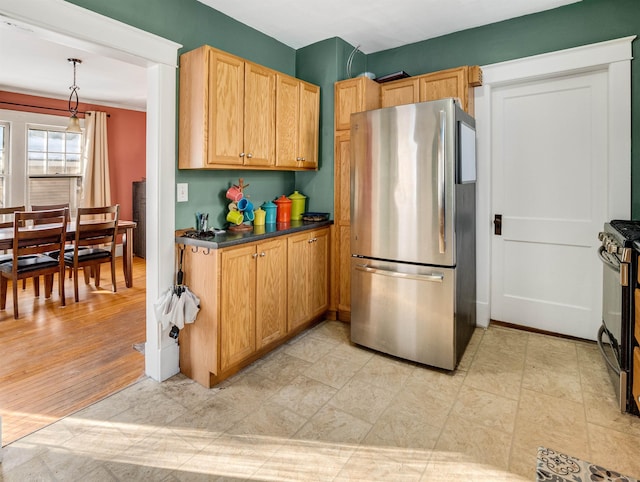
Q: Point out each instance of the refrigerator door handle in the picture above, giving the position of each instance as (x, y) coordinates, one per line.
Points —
(441, 193)
(435, 277)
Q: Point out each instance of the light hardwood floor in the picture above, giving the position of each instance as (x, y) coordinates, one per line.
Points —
(56, 360)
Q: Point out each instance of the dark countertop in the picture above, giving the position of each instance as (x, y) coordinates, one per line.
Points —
(228, 238)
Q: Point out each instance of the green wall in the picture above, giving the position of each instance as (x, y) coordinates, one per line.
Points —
(322, 64)
(193, 24)
(586, 22)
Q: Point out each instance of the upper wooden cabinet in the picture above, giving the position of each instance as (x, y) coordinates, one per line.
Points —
(297, 123)
(437, 85)
(354, 95)
(400, 93)
(228, 115)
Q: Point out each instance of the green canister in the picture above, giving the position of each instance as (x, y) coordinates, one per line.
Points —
(297, 205)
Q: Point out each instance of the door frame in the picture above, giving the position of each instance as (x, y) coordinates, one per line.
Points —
(69, 24)
(613, 56)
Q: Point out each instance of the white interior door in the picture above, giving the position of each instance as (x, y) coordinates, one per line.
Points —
(549, 147)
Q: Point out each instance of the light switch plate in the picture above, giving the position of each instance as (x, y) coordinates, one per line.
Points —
(183, 192)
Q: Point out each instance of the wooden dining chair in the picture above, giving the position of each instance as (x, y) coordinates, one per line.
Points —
(30, 245)
(47, 207)
(68, 247)
(95, 227)
(6, 221)
(6, 216)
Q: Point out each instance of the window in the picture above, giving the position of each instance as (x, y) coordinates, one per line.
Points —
(4, 143)
(54, 166)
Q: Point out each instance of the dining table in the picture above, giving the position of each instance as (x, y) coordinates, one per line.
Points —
(125, 228)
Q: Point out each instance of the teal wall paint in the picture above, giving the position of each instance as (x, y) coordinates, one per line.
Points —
(319, 64)
(586, 22)
(193, 24)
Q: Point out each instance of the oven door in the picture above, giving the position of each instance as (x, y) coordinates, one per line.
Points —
(610, 333)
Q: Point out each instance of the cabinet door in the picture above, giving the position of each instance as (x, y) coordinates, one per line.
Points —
(193, 114)
(354, 95)
(271, 292)
(287, 121)
(342, 173)
(237, 305)
(344, 270)
(446, 83)
(309, 125)
(318, 273)
(400, 92)
(259, 116)
(297, 279)
(226, 110)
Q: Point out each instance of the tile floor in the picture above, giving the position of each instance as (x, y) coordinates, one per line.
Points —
(319, 408)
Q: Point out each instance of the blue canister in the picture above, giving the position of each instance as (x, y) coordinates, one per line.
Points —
(270, 210)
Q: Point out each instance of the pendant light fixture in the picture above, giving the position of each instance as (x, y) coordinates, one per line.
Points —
(74, 122)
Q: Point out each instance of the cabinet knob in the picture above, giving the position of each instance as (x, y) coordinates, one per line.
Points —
(310, 241)
(303, 159)
(263, 254)
(298, 158)
(242, 154)
(249, 155)
(254, 255)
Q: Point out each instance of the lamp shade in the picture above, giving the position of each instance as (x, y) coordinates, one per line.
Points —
(74, 124)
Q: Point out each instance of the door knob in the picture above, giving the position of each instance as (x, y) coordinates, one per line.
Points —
(497, 225)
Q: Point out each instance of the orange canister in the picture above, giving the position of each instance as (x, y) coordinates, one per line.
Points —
(283, 214)
(297, 207)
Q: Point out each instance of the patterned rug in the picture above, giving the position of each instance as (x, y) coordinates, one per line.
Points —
(557, 467)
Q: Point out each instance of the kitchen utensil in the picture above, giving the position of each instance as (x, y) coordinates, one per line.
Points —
(245, 205)
(235, 217)
(315, 217)
(234, 193)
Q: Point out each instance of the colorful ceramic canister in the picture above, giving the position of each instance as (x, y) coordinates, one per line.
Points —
(284, 209)
(270, 210)
(298, 203)
(260, 217)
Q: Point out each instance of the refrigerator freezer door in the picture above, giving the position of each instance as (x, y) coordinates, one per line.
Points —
(404, 310)
(403, 181)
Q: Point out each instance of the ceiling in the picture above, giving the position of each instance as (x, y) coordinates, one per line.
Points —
(37, 62)
(374, 25)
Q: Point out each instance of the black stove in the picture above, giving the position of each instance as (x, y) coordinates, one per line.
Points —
(619, 255)
(629, 230)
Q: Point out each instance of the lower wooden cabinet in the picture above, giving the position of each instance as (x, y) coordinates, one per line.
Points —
(308, 276)
(244, 293)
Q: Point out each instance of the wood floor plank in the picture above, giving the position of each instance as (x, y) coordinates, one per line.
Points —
(57, 360)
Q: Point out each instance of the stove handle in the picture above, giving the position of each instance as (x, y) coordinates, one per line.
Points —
(606, 260)
(613, 366)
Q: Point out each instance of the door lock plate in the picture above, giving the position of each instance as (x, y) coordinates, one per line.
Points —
(497, 224)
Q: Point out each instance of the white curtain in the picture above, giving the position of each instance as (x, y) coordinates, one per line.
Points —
(96, 186)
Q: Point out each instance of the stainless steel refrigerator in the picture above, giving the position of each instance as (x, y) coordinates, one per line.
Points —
(413, 273)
